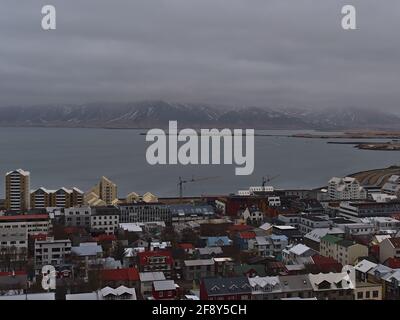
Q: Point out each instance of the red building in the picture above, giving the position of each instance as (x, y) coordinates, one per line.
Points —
(164, 290)
(160, 260)
(128, 277)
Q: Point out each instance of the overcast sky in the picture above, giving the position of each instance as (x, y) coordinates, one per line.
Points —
(242, 52)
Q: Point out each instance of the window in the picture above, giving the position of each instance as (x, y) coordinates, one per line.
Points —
(360, 295)
(375, 294)
(368, 294)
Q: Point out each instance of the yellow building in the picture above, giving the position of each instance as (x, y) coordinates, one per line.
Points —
(344, 251)
(103, 193)
(17, 190)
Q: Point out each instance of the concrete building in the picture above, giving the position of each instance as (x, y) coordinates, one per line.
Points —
(145, 212)
(61, 198)
(345, 252)
(31, 224)
(77, 217)
(17, 190)
(368, 209)
(389, 248)
(105, 192)
(392, 186)
(51, 252)
(345, 189)
(105, 219)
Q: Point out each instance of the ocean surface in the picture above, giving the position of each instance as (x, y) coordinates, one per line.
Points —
(59, 157)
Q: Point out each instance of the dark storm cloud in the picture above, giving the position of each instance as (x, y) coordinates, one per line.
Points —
(242, 52)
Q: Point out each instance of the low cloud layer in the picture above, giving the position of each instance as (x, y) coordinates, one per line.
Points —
(241, 52)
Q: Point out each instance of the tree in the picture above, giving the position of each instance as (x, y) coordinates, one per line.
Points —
(119, 251)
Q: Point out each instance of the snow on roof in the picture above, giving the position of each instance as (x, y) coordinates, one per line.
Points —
(151, 276)
(164, 285)
(365, 266)
(131, 227)
(299, 249)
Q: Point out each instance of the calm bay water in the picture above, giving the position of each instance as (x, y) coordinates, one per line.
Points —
(79, 157)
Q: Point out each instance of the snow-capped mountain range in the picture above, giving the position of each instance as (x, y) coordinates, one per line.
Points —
(151, 114)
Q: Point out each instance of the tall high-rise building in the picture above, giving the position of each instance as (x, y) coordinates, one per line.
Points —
(17, 190)
(103, 193)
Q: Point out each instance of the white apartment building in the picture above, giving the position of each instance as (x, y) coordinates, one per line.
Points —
(51, 252)
(345, 189)
(31, 224)
(105, 219)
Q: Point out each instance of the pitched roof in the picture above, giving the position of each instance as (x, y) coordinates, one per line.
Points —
(227, 286)
(127, 274)
(395, 242)
(247, 235)
(164, 285)
(331, 239)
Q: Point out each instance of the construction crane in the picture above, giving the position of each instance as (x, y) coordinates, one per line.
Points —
(183, 181)
(268, 179)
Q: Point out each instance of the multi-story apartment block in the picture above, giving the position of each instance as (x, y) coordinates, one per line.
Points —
(345, 189)
(145, 212)
(345, 252)
(368, 209)
(51, 252)
(61, 198)
(77, 216)
(152, 261)
(392, 186)
(103, 193)
(31, 224)
(17, 190)
(105, 219)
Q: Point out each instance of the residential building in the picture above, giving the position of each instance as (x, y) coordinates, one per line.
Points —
(265, 288)
(268, 246)
(313, 238)
(78, 217)
(120, 277)
(31, 224)
(345, 252)
(107, 293)
(103, 193)
(368, 209)
(242, 239)
(392, 185)
(146, 282)
(198, 269)
(151, 261)
(296, 286)
(17, 190)
(228, 288)
(345, 189)
(295, 254)
(105, 219)
(334, 286)
(165, 290)
(51, 252)
(252, 215)
(389, 248)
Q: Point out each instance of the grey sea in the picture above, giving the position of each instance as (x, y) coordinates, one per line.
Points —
(79, 157)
